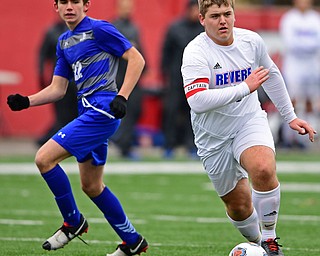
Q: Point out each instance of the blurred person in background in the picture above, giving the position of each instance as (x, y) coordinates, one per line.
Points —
(300, 33)
(46, 61)
(176, 125)
(124, 137)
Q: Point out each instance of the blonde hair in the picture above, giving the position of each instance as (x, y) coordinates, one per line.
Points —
(205, 4)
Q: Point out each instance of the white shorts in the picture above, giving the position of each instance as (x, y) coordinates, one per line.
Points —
(223, 165)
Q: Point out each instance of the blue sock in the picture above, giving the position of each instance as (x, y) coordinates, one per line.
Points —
(59, 184)
(109, 204)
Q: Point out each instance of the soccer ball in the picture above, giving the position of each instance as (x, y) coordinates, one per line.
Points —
(248, 249)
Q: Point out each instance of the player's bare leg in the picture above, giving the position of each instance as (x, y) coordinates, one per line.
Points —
(49, 155)
(91, 177)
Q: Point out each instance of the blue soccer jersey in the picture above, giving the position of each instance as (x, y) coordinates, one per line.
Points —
(90, 54)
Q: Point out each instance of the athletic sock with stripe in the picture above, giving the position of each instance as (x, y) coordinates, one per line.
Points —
(59, 184)
(109, 204)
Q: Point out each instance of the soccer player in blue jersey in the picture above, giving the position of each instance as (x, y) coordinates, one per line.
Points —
(89, 53)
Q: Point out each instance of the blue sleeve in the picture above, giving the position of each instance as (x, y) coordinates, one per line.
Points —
(62, 67)
(111, 40)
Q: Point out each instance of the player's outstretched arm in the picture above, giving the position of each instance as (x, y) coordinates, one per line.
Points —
(55, 91)
(303, 128)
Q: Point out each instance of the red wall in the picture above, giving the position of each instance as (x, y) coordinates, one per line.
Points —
(22, 24)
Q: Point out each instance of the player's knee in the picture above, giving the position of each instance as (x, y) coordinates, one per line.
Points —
(91, 189)
(264, 173)
(264, 178)
(42, 162)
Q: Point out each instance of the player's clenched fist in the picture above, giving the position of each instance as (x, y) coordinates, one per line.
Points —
(257, 78)
(18, 102)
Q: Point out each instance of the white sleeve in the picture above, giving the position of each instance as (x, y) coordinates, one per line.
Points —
(211, 99)
(276, 89)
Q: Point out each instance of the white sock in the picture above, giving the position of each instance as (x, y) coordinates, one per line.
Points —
(249, 227)
(267, 205)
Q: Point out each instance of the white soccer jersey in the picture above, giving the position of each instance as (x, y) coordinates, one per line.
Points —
(300, 33)
(214, 84)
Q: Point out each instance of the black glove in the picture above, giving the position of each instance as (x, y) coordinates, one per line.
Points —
(119, 106)
(18, 102)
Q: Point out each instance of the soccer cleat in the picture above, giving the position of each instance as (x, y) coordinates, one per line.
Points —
(272, 247)
(126, 250)
(65, 234)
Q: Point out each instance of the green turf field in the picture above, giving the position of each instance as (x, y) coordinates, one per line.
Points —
(179, 214)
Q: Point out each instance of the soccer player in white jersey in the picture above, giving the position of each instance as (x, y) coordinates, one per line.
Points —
(89, 53)
(222, 69)
(300, 33)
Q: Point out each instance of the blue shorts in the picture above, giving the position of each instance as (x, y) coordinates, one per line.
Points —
(86, 137)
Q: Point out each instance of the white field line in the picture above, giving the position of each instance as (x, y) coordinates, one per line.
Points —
(300, 187)
(155, 168)
(285, 187)
(38, 239)
(21, 222)
(170, 218)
